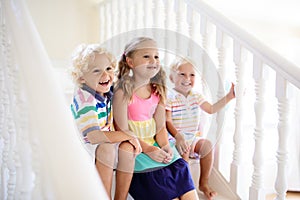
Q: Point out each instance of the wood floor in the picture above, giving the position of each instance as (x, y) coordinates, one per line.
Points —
(290, 196)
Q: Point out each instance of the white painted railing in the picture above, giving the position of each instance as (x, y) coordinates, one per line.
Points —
(260, 74)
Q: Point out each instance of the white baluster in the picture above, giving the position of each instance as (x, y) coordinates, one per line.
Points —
(168, 26)
(114, 17)
(178, 9)
(156, 13)
(221, 44)
(147, 13)
(108, 23)
(139, 14)
(281, 183)
(5, 151)
(36, 165)
(122, 20)
(102, 23)
(11, 184)
(191, 26)
(237, 170)
(256, 190)
(122, 24)
(204, 33)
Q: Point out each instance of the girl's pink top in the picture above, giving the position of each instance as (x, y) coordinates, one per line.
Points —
(144, 107)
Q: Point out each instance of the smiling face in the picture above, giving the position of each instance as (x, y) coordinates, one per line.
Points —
(100, 74)
(184, 78)
(145, 60)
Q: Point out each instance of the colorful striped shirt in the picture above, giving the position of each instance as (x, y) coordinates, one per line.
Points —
(185, 110)
(91, 111)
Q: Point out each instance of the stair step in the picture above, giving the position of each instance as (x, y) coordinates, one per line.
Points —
(218, 197)
(217, 182)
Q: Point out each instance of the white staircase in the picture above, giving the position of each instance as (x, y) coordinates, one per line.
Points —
(38, 146)
(217, 182)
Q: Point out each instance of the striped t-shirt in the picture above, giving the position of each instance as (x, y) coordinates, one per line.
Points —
(185, 110)
(91, 110)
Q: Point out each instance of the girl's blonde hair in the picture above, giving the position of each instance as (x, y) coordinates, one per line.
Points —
(125, 82)
(85, 54)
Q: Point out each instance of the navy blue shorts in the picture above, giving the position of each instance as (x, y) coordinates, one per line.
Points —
(166, 183)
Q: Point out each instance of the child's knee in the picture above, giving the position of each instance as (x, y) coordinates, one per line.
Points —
(204, 147)
(126, 146)
(106, 153)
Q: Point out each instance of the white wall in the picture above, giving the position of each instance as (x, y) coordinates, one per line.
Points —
(63, 24)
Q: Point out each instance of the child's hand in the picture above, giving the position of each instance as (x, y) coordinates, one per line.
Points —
(231, 93)
(137, 146)
(181, 145)
(168, 149)
(159, 155)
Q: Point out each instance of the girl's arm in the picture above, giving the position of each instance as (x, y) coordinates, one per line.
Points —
(210, 109)
(121, 120)
(161, 136)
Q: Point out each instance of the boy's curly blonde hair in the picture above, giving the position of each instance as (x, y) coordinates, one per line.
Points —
(83, 55)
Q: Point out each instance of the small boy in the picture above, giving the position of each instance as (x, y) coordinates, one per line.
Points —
(183, 116)
(93, 74)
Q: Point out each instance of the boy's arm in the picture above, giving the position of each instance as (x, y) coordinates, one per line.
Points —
(210, 109)
(169, 123)
(97, 136)
(181, 144)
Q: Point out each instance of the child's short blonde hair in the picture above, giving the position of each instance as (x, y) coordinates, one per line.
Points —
(177, 63)
(83, 55)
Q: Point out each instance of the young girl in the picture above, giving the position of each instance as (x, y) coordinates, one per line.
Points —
(93, 73)
(159, 171)
(183, 115)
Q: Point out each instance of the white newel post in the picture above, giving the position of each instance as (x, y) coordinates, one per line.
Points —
(281, 183)
(256, 190)
(237, 169)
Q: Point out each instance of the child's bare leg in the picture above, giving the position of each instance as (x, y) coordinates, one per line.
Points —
(105, 158)
(124, 170)
(190, 195)
(204, 148)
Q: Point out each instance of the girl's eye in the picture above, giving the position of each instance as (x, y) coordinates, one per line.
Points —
(181, 74)
(146, 56)
(156, 57)
(192, 75)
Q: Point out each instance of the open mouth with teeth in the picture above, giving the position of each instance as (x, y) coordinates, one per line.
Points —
(104, 83)
(186, 84)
